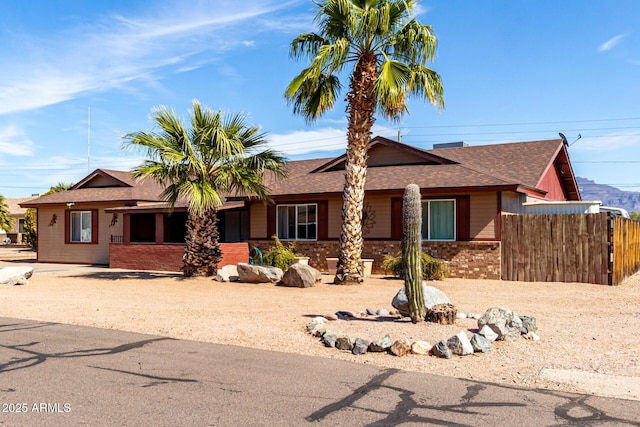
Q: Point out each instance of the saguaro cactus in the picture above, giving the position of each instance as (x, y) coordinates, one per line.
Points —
(411, 251)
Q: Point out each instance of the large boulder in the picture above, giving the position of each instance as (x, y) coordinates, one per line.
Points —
(227, 273)
(432, 297)
(504, 322)
(250, 273)
(15, 275)
(300, 276)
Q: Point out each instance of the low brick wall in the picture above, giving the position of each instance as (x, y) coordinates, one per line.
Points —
(470, 260)
(167, 257)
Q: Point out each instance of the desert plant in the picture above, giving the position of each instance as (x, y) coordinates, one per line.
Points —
(411, 238)
(432, 268)
(383, 49)
(281, 256)
(215, 155)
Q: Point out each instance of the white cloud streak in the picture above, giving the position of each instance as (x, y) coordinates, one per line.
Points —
(103, 55)
(14, 143)
(611, 43)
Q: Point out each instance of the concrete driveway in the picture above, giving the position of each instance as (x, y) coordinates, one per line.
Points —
(18, 256)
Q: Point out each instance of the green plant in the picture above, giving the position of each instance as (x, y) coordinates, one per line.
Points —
(432, 268)
(411, 236)
(279, 255)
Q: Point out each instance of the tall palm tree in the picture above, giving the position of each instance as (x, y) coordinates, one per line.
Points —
(6, 222)
(388, 49)
(217, 155)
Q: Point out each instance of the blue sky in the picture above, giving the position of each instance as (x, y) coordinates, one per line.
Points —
(512, 71)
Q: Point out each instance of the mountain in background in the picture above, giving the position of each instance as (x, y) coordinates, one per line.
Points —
(608, 195)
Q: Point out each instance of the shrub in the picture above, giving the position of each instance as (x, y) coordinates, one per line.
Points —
(280, 256)
(432, 268)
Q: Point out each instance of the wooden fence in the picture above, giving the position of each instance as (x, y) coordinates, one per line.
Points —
(586, 248)
(625, 256)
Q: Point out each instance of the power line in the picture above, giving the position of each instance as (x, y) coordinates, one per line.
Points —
(522, 124)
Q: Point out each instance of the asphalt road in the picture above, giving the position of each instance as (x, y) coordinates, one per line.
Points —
(60, 375)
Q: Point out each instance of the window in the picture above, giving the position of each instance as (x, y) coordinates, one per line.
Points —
(81, 226)
(21, 226)
(296, 222)
(439, 220)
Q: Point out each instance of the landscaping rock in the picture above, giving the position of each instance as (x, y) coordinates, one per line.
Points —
(480, 344)
(330, 316)
(383, 312)
(459, 344)
(300, 276)
(360, 346)
(249, 273)
(227, 273)
(432, 296)
(371, 312)
(531, 336)
(383, 344)
(399, 348)
(528, 324)
(504, 322)
(15, 275)
(329, 339)
(441, 350)
(346, 315)
(420, 347)
(344, 343)
(461, 315)
(488, 333)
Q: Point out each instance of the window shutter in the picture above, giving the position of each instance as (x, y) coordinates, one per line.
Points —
(323, 220)
(463, 218)
(67, 227)
(396, 218)
(94, 226)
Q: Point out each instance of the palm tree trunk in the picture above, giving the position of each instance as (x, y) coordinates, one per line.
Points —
(202, 247)
(361, 104)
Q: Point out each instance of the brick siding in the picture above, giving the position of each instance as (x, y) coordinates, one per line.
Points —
(470, 260)
(167, 257)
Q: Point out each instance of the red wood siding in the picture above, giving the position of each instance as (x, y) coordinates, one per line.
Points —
(552, 183)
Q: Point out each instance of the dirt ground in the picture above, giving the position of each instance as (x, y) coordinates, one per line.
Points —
(589, 333)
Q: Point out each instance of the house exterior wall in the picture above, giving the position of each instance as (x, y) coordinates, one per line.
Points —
(469, 260)
(482, 221)
(552, 183)
(167, 257)
(258, 221)
(512, 202)
(382, 155)
(52, 232)
(475, 217)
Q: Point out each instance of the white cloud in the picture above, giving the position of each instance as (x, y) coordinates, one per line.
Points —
(317, 141)
(611, 43)
(101, 55)
(14, 143)
(608, 143)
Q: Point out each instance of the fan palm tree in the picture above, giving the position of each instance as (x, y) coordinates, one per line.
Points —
(217, 155)
(6, 222)
(388, 49)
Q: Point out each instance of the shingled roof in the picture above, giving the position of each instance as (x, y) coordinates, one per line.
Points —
(393, 165)
(103, 185)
